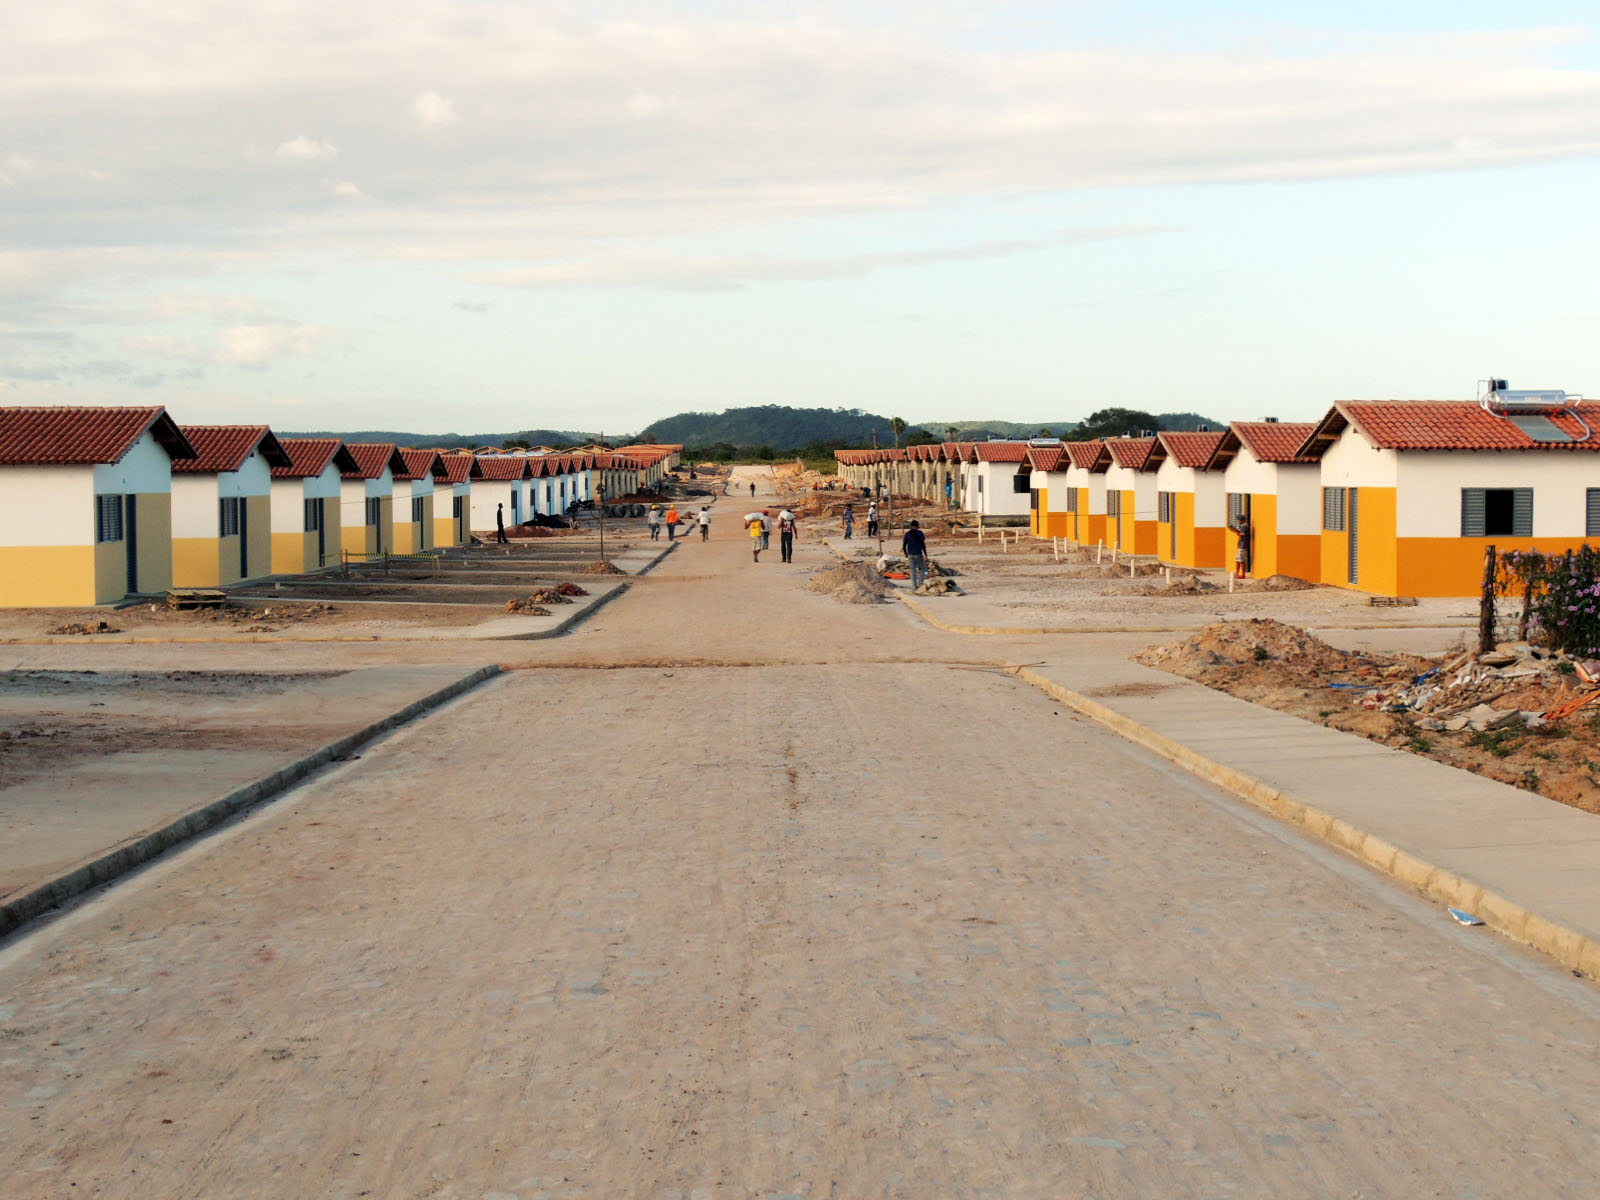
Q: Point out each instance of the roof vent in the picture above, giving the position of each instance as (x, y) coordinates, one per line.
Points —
(1269, 420)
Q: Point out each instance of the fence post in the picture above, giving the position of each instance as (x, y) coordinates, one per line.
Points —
(1486, 603)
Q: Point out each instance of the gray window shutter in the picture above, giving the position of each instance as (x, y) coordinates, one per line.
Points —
(1522, 512)
(1591, 521)
(1352, 549)
(1472, 512)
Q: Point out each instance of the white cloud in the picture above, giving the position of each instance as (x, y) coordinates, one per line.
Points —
(304, 147)
(434, 111)
(165, 345)
(260, 345)
(347, 189)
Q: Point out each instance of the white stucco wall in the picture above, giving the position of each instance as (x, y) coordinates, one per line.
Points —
(144, 468)
(998, 500)
(324, 486)
(1210, 499)
(487, 494)
(1352, 461)
(47, 506)
(1429, 500)
(1299, 498)
(194, 506)
(1247, 473)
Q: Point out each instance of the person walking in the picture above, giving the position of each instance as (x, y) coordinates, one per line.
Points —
(705, 523)
(849, 522)
(872, 519)
(786, 524)
(766, 530)
(915, 547)
(672, 523)
(755, 537)
(653, 519)
(499, 522)
(752, 489)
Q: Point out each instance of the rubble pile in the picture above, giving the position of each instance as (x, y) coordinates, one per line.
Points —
(1513, 684)
(527, 608)
(850, 583)
(603, 567)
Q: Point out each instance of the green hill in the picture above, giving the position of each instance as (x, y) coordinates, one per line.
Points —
(772, 425)
(445, 441)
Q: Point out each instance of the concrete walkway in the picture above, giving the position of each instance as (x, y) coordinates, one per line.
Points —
(1528, 866)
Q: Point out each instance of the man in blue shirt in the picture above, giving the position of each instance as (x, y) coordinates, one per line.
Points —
(915, 547)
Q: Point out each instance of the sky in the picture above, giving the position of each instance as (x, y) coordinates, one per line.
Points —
(483, 215)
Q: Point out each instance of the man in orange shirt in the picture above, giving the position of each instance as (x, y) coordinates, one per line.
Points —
(672, 522)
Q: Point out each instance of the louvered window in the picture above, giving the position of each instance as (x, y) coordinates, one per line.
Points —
(1333, 510)
(1165, 507)
(1497, 512)
(108, 518)
(375, 510)
(1591, 520)
(313, 515)
(1235, 508)
(228, 516)
(416, 510)
(1072, 500)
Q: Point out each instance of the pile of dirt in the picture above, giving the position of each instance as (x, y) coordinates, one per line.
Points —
(1234, 644)
(545, 595)
(571, 589)
(850, 583)
(527, 608)
(1184, 585)
(1274, 583)
(604, 567)
(76, 627)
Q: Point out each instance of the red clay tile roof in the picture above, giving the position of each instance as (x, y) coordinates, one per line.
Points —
(1001, 452)
(1446, 425)
(420, 462)
(226, 447)
(1085, 454)
(459, 468)
(371, 459)
(502, 467)
(309, 457)
(1189, 449)
(83, 436)
(1268, 441)
(1130, 452)
(1046, 458)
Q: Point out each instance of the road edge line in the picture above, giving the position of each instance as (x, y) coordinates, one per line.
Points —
(53, 893)
(1569, 947)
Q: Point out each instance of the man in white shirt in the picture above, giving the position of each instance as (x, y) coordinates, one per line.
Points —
(653, 519)
(704, 520)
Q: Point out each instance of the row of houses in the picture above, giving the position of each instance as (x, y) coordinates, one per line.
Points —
(102, 503)
(1389, 497)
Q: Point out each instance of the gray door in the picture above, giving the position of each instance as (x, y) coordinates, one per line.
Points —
(1353, 524)
(130, 539)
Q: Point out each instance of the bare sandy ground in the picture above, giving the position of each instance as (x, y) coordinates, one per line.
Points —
(742, 893)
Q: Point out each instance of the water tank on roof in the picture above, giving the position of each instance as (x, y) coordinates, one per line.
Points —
(1500, 398)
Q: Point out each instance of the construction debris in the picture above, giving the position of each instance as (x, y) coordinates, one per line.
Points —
(938, 587)
(527, 608)
(76, 628)
(196, 598)
(851, 583)
(603, 567)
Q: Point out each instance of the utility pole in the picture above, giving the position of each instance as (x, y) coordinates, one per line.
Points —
(600, 502)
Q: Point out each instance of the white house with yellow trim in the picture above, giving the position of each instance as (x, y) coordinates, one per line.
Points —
(452, 509)
(1276, 493)
(1191, 501)
(1131, 501)
(307, 503)
(414, 494)
(87, 494)
(222, 505)
(367, 497)
(1415, 491)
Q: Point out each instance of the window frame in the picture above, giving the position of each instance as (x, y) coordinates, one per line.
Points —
(108, 512)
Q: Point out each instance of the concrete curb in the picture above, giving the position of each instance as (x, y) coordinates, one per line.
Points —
(656, 561)
(32, 904)
(1569, 947)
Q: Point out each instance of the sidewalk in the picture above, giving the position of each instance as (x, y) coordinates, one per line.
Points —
(1530, 867)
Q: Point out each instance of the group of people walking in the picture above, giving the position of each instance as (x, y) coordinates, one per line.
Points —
(655, 519)
(760, 526)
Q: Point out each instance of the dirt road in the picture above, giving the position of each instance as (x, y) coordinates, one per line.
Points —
(745, 918)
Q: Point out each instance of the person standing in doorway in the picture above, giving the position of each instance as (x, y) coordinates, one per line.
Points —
(1241, 556)
(872, 519)
(755, 537)
(915, 547)
(705, 523)
(786, 524)
(653, 519)
(672, 523)
(849, 522)
(499, 522)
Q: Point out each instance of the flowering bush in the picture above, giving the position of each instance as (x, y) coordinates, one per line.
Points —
(1563, 596)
